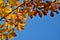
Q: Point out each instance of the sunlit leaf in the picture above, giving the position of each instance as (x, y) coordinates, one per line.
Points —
(11, 34)
(12, 2)
(8, 17)
(8, 25)
(24, 18)
(18, 27)
(8, 10)
(5, 23)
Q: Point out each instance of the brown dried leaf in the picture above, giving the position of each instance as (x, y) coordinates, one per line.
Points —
(52, 14)
(40, 14)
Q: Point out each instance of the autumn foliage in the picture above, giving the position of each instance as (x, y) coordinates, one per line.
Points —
(14, 14)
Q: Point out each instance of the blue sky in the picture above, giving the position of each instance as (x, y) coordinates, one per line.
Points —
(45, 28)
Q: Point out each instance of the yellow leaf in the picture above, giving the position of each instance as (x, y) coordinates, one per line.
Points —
(20, 17)
(11, 33)
(13, 16)
(18, 27)
(24, 18)
(1, 1)
(8, 25)
(12, 2)
(8, 17)
(0, 38)
(5, 23)
(8, 10)
(22, 24)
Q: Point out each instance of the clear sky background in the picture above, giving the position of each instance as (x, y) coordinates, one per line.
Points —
(45, 28)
